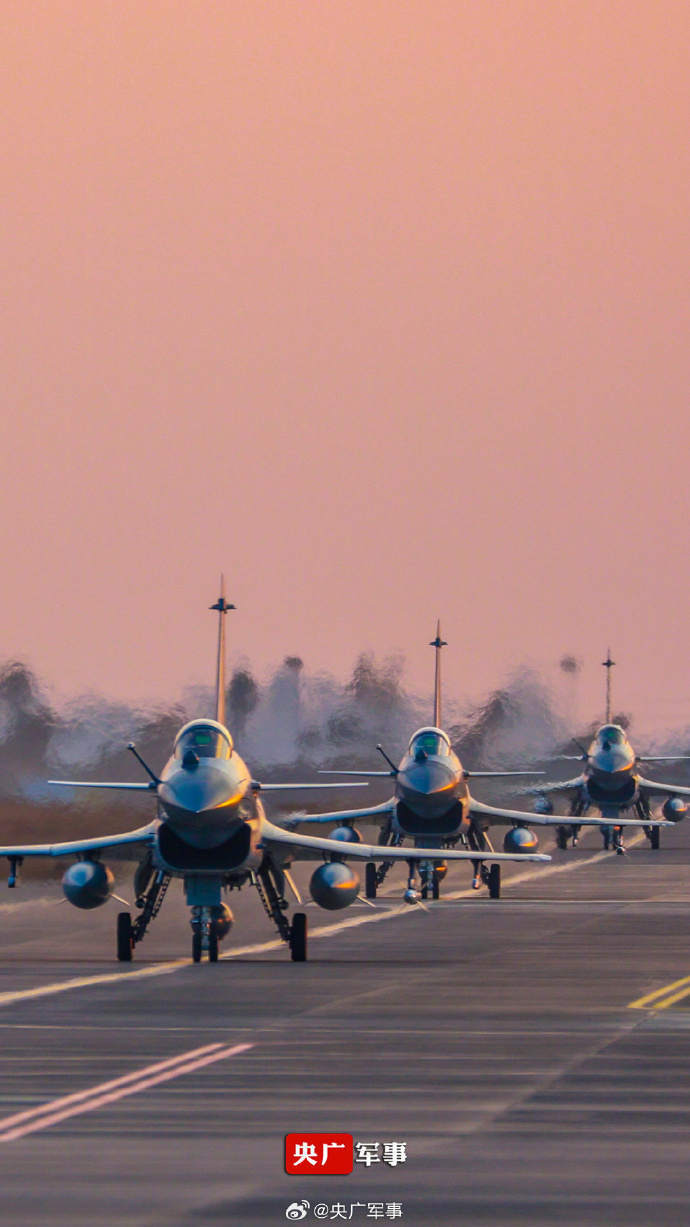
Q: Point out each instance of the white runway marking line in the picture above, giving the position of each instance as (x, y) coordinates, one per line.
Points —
(56, 1110)
(12, 996)
(47, 990)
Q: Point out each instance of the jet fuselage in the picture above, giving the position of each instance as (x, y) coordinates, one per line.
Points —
(210, 815)
(205, 791)
(430, 789)
(610, 776)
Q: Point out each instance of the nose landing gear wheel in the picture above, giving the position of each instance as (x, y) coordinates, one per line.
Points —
(124, 937)
(495, 882)
(298, 938)
(370, 880)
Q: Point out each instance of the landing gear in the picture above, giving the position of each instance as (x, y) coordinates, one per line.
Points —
(478, 842)
(298, 938)
(578, 807)
(431, 885)
(489, 875)
(267, 882)
(204, 933)
(652, 832)
(375, 875)
(130, 932)
(618, 841)
(494, 882)
(124, 937)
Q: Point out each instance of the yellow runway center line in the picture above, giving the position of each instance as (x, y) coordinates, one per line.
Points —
(667, 1001)
(662, 997)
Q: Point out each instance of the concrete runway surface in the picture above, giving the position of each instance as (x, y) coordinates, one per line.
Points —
(500, 1040)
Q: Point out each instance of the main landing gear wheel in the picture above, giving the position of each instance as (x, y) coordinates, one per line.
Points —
(370, 880)
(124, 937)
(298, 938)
(213, 946)
(196, 945)
(562, 838)
(654, 837)
(432, 889)
(495, 882)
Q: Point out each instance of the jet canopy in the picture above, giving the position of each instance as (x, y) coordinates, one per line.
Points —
(611, 735)
(205, 738)
(429, 742)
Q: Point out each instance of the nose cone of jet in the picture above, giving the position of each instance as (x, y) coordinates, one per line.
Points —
(610, 759)
(428, 787)
(201, 804)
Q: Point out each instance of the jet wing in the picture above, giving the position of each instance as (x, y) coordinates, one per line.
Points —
(476, 775)
(293, 787)
(497, 775)
(150, 787)
(342, 815)
(664, 790)
(311, 847)
(663, 758)
(127, 840)
(368, 774)
(554, 820)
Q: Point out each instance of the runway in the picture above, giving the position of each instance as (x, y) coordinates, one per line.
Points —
(531, 1052)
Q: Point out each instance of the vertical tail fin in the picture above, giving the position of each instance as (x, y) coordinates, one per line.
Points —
(437, 643)
(222, 606)
(608, 665)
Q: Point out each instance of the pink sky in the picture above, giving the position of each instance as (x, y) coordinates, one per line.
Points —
(382, 308)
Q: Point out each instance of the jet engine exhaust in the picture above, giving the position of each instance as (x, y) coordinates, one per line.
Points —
(334, 886)
(88, 884)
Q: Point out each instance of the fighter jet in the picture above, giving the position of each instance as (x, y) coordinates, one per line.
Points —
(432, 806)
(211, 831)
(612, 782)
